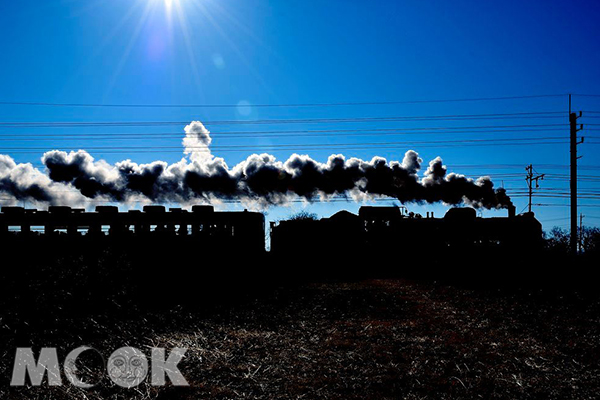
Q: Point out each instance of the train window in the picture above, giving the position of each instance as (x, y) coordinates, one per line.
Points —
(14, 229)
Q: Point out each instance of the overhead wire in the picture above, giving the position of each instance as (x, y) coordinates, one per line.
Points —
(284, 105)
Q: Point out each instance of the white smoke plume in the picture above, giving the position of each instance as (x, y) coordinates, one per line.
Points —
(23, 182)
(261, 179)
(197, 141)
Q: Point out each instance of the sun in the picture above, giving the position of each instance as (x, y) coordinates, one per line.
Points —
(169, 4)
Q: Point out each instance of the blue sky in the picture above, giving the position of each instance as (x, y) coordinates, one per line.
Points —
(254, 52)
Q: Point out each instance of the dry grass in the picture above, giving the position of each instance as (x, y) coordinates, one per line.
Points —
(373, 339)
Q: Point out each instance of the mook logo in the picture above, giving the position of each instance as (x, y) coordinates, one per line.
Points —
(126, 367)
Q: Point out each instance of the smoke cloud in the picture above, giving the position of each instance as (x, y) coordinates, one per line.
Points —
(23, 182)
(260, 180)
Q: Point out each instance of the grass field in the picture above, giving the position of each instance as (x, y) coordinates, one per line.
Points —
(376, 339)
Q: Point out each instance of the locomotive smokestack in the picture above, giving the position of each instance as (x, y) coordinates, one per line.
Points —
(511, 211)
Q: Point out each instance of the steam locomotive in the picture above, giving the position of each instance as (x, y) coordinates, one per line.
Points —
(385, 229)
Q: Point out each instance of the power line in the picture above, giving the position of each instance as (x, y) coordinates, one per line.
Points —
(554, 219)
(565, 205)
(69, 124)
(520, 167)
(300, 149)
(290, 105)
(308, 144)
(286, 133)
(293, 147)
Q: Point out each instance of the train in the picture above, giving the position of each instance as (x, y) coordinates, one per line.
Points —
(202, 246)
(388, 229)
(373, 228)
(202, 225)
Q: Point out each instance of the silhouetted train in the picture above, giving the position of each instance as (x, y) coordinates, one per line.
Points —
(387, 229)
(374, 229)
(388, 241)
(203, 225)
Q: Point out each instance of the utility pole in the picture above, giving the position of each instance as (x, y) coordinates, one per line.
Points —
(530, 178)
(581, 232)
(573, 130)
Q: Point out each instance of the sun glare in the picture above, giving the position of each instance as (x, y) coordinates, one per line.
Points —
(169, 4)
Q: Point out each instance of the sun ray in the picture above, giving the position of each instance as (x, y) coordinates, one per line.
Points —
(125, 56)
(106, 40)
(169, 9)
(240, 25)
(188, 45)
